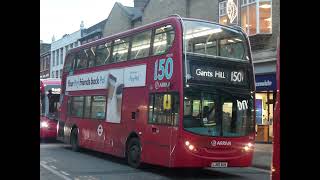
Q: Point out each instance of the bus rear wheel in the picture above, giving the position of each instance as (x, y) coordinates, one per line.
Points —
(134, 152)
(74, 140)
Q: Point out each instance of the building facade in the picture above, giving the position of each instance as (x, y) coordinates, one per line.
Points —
(260, 19)
(122, 18)
(44, 60)
(45, 65)
(92, 33)
(58, 52)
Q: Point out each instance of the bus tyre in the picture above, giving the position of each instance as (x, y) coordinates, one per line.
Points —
(134, 152)
(74, 140)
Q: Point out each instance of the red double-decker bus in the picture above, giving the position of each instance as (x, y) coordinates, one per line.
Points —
(49, 102)
(276, 126)
(178, 92)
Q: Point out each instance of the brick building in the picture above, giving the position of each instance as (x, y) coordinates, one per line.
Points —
(44, 60)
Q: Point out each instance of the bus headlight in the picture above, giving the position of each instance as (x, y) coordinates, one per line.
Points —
(44, 124)
(248, 147)
(190, 146)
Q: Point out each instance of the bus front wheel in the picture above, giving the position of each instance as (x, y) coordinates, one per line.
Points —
(74, 140)
(134, 152)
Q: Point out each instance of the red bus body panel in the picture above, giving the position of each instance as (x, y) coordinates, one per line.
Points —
(276, 125)
(165, 148)
(50, 131)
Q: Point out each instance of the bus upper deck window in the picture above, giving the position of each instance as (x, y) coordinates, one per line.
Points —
(163, 39)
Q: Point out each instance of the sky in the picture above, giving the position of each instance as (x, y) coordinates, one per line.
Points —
(59, 17)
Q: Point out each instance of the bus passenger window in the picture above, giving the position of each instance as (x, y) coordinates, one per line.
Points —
(77, 106)
(120, 50)
(98, 107)
(140, 45)
(68, 65)
(163, 39)
(81, 60)
(87, 106)
(103, 54)
(90, 53)
(160, 114)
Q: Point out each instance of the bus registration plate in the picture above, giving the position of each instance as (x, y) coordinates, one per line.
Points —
(219, 164)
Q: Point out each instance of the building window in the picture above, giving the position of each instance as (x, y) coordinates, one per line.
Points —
(60, 73)
(223, 18)
(265, 23)
(57, 74)
(44, 62)
(61, 56)
(255, 15)
(57, 57)
(52, 75)
(48, 63)
(67, 48)
(53, 58)
(71, 45)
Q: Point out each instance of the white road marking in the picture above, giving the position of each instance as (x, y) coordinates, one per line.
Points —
(55, 172)
(259, 169)
(52, 159)
(53, 167)
(63, 172)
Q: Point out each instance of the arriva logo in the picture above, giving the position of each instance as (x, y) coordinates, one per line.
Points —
(220, 143)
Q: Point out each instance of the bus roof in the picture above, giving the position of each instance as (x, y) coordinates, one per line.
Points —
(172, 18)
(127, 32)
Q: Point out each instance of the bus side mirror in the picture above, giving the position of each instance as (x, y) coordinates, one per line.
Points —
(167, 102)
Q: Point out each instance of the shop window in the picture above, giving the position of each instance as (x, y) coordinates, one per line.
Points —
(265, 21)
(255, 15)
(223, 16)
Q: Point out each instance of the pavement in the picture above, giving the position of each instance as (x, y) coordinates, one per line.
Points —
(262, 156)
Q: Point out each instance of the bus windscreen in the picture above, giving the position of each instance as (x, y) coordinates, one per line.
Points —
(214, 40)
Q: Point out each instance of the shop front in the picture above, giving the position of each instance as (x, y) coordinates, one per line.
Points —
(265, 95)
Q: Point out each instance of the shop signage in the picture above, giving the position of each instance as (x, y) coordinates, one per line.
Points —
(266, 82)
